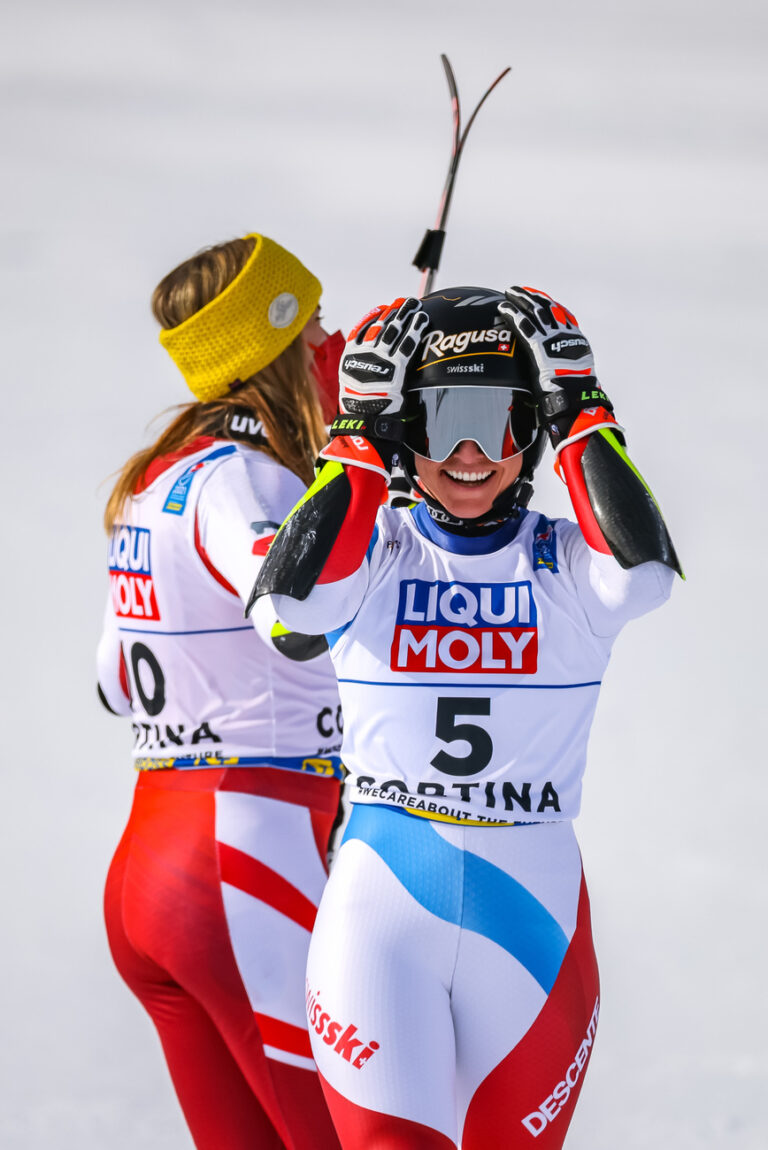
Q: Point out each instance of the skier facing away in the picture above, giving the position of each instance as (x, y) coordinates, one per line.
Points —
(212, 893)
(452, 987)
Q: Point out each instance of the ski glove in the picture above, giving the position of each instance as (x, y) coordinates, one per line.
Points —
(371, 380)
(376, 358)
(566, 383)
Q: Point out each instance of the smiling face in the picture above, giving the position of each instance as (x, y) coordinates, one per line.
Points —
(467, 482)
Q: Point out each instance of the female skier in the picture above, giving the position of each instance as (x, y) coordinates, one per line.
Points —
(212, 893)
(452, 989)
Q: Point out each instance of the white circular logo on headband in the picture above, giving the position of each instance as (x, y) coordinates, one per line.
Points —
(283, 309)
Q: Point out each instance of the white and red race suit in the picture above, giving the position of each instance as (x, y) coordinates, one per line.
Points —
(177, 653)
(213, 890)
(452, 986)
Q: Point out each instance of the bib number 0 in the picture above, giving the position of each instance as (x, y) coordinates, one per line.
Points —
(449, 730)
(148, 679)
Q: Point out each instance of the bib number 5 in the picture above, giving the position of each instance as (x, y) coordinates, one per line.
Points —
(448, 730)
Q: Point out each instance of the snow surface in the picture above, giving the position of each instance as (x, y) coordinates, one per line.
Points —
(621, 167)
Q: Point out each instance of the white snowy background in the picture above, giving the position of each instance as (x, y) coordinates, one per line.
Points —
(621, 167)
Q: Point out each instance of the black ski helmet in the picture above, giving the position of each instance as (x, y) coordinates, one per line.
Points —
(472, 378)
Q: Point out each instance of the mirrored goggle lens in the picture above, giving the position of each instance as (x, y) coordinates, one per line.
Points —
(500, 420)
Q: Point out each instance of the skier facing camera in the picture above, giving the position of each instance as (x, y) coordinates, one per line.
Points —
(452, 987)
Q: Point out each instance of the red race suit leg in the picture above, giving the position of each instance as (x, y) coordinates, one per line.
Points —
(198, 923)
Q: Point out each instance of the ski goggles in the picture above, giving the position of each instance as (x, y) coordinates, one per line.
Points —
(500, 420)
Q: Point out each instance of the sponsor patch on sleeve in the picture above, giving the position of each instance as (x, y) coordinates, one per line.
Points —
(176, 502)
(545, 545)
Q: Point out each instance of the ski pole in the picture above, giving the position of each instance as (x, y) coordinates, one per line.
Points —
(427, 258)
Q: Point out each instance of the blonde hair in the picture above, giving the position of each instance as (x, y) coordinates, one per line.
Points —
(281, 395)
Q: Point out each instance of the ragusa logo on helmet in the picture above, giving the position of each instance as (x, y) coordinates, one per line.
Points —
(438, 344)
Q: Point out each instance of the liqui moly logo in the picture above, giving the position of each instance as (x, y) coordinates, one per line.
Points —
(130, 573)
(465, 627)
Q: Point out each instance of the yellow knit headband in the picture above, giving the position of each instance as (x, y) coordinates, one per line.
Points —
(248, 325)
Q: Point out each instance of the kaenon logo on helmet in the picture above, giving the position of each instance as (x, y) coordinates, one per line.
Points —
(437, 344)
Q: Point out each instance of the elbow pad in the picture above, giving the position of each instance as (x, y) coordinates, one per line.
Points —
(325, 537)
(615, 507)
(301, 548)
(297, 647)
